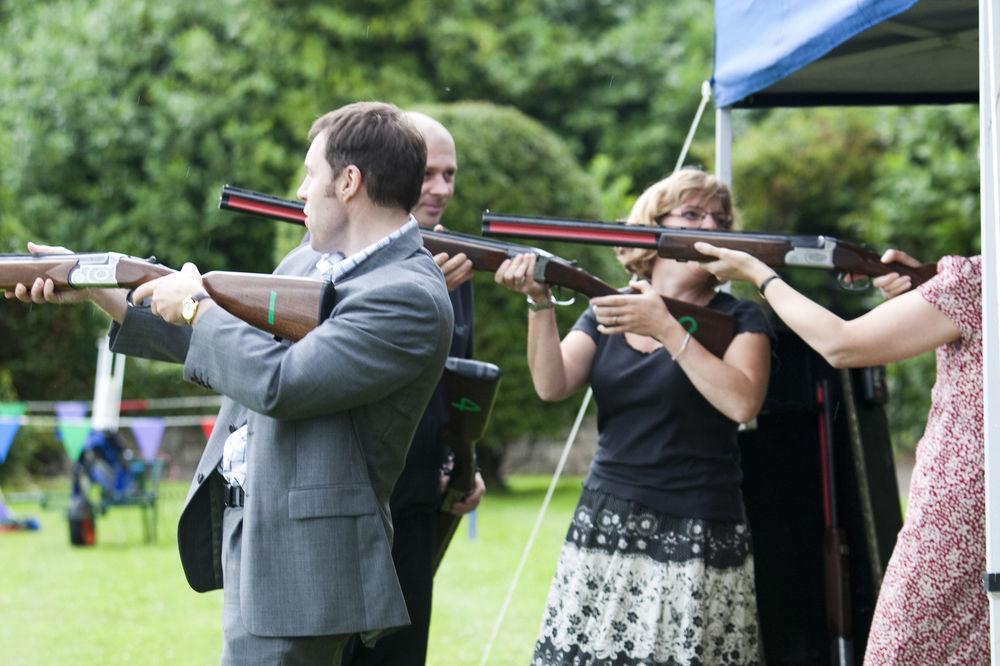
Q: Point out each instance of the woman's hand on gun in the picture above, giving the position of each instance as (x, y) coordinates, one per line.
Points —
(517, 275)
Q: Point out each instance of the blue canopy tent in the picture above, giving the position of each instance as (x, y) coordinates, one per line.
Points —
(866, 52)
(846, 52)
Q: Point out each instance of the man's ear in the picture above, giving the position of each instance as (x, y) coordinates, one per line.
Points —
(351, 182)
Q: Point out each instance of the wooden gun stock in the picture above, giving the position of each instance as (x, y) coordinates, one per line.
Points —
(288, 307)
(471, 389)
(776, 250)
(712, 329)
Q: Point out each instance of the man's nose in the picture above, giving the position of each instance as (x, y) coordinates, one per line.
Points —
(438, 185)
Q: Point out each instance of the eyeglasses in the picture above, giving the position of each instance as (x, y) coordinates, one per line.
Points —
(695, 215)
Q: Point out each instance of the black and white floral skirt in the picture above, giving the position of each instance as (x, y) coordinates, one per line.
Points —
(637, 587)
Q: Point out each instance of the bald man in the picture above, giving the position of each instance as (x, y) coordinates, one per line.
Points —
(416, 500)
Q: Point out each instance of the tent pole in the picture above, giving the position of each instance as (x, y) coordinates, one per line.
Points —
(724, 145)
(989, 63)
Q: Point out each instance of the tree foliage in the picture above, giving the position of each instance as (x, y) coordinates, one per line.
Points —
(120, 120)
(905, 178)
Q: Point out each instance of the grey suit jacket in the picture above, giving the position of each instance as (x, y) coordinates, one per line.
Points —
(329, 420)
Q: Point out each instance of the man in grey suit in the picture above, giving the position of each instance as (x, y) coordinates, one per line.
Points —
(288, 511)
(416, 501)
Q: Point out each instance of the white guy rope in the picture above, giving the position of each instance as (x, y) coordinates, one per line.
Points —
(706, 94)
(537, 527)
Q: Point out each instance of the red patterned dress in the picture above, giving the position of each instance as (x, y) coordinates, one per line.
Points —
(932, 608)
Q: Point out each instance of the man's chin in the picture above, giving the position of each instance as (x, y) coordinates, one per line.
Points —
(427, 221)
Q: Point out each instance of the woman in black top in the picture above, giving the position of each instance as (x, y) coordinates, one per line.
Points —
(657, 566)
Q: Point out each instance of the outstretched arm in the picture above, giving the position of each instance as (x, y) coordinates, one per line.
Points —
(558, 369)
(898, 329)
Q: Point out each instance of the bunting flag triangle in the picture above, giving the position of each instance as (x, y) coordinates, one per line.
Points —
(208, 425)
(10, 423)
(73, 428)
(74, 436)
(148, 431)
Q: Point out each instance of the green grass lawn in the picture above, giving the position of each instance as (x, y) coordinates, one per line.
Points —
(125, 602)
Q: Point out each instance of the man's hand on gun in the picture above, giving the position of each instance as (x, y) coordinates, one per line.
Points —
(471, 500)
(457, 269)
(44, 291)
(168, 292)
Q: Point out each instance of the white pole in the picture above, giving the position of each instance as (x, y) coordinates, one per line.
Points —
(989, 28)
(724, 157)
(724, 145)
(107, 388)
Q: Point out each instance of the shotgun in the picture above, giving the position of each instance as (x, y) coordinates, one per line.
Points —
(471, 389)
(712, 329)
(836, 566)
(775, 250)
(288, 307)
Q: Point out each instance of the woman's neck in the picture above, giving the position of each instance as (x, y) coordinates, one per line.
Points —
(680, 283)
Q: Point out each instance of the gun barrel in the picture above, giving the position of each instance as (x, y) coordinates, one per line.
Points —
(712, 329)
(775, 250)
(573, 231)
(258, 203)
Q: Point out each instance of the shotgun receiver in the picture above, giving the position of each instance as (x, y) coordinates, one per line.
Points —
(712, 329)
(471, 389)
(775, 250)
(288, 307)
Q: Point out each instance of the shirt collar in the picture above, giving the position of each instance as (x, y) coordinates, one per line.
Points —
(333, 266)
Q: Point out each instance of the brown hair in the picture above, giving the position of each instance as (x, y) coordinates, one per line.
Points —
(658, 199)
(384, 145)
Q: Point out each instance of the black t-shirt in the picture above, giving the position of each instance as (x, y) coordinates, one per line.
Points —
(660, 441)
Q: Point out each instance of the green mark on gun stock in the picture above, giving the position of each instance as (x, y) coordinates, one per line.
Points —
(685, 320)
(270, 308)
(466, 405)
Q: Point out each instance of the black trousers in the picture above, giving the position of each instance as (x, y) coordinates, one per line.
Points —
(412, 552)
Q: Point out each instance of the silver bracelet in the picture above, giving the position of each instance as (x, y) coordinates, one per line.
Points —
(683, 347)
(535, 306)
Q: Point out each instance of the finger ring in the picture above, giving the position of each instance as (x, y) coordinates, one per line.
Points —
(614, 322)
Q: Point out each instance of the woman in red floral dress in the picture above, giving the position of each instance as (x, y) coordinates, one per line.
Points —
(932, 608)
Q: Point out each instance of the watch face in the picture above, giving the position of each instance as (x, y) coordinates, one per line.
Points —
(188, 307)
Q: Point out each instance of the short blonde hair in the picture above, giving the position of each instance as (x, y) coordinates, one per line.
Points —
(658, 199)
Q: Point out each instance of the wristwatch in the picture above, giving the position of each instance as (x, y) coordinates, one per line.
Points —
(189, 307)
